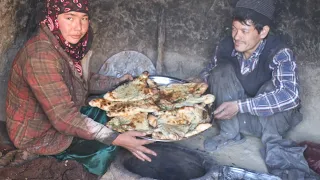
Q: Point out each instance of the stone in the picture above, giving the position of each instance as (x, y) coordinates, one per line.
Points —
(127, 62)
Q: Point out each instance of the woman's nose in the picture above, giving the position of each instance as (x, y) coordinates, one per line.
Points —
(77, 25)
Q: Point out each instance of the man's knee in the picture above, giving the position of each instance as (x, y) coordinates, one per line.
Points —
(280, 123)
(224, 84)
(222, 75)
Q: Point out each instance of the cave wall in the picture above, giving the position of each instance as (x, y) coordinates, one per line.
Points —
(192, 29)
(8, 31)
(18, 22)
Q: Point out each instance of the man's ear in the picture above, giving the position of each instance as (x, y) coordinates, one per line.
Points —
(264, 32)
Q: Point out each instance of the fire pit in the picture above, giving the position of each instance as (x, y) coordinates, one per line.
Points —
(172, 163)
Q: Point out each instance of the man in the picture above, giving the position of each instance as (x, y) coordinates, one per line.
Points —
(254, 78)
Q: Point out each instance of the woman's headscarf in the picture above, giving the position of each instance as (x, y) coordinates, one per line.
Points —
(56, 7)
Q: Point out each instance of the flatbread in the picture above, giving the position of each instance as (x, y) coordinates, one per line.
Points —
(189, 100)
(170, 132)
(179, 92)
(181, 116)
(152, 120)
(200, 128)
(171, 112)
(114, 108)
(135, 90)
(138, 122)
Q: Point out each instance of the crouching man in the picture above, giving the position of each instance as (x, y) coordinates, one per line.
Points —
(254, 78)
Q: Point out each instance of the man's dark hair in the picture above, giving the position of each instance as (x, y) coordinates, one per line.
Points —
(246, 15)
(259, 12)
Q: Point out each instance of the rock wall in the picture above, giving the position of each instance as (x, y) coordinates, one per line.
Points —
(192, 29)
(7, 31)
(18, 22)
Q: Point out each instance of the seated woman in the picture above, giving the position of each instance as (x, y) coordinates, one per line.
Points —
(47, 91)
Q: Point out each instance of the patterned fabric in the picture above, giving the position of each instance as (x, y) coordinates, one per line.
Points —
(284, 78)
(95, 156)
(56, 7)
(44, 98)
(285, 97)
(248, 65)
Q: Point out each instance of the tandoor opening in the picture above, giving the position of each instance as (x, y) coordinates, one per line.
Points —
(172, 163)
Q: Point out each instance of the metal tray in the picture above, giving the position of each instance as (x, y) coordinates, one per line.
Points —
(159, 140)
(166, 80)
(230, 173)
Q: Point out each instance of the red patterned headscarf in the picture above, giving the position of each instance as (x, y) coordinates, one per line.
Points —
(56, 7)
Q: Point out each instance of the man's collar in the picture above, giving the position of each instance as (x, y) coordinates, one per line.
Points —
(256, 53)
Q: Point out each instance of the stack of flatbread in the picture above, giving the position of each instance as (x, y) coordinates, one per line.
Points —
(168, 112)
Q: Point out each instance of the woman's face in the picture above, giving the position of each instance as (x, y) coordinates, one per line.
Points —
(73, 25)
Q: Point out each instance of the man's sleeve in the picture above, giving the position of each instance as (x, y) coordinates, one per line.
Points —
(286, 93)
(43, 74)
(204, 74)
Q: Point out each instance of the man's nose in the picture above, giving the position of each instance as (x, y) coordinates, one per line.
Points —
(236, 35)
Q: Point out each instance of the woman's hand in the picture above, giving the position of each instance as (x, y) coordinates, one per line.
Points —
(129, 141)
(125, 78)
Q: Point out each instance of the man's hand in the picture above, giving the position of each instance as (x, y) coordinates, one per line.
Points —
(226, 110)
(129, 141)
(125, 78)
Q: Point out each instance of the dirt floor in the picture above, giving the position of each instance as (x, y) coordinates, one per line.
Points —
(245, 155)
(47, 168)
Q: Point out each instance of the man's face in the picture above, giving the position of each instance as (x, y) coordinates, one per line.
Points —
(73, 26)
(245, 37)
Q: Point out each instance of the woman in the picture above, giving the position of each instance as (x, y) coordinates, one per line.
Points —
(48, 87)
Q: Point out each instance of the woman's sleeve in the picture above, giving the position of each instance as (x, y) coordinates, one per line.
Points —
(44, 75)
(99, 84)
